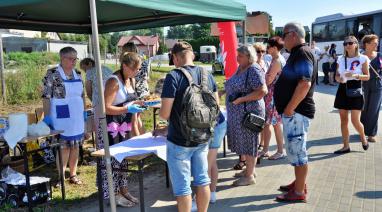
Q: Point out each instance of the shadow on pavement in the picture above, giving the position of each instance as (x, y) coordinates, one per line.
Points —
(369, 194)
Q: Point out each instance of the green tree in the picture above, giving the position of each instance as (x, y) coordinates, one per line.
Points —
(179, 32)
(148, 32)
(162, 47)
(200, 30)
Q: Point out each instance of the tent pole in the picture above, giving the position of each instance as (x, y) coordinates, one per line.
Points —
(102, 119)
(2, 70)
(90, 47)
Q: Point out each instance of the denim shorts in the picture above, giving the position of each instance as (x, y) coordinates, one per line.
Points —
(295, 129)
(184, 162)
(219, 133)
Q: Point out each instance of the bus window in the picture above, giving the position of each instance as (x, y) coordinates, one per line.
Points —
(320, 32)
(337, 30)
(350, 28)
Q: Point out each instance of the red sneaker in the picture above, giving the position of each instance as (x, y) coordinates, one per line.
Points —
(292, 197)
(289, 187)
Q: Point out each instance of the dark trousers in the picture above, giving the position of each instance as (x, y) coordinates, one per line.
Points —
(373, 98)
(325, 69)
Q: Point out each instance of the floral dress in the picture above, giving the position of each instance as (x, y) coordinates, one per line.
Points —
(141, 85)
(272, 116)
(240, 139)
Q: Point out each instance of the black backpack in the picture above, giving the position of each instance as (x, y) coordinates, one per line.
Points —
(199, 110)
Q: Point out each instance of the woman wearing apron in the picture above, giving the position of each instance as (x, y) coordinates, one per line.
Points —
(63, 102)
(121, 109)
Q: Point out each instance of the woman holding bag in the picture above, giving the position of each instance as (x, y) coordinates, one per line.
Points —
(372, 88)
(352, 69)
(245, 92)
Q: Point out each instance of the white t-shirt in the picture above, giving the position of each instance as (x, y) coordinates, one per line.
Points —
(316, 52)
(325, 57)
(354, 65)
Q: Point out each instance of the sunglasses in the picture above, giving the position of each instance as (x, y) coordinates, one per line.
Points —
(286, 33)
(260, 51)
(349, 43)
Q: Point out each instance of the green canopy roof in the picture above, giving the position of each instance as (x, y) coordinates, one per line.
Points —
(114, 15)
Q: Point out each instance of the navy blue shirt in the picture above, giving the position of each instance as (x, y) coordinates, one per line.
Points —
(174, 86)
(299, 66)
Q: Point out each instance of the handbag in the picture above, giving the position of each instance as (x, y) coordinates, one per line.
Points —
(353, 92)
(251, 120)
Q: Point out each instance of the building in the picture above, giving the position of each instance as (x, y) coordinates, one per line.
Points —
(23, 44)
(170, 43)
(257, 27)
(279, 32)
(147, 45)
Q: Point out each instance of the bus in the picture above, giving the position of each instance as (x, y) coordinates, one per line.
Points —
(334, 28)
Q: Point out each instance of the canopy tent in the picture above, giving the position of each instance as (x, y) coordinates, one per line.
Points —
(114, 15)
(80, 16)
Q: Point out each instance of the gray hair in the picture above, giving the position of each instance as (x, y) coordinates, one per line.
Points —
(67, 50)
(296, 27)
(249, 51)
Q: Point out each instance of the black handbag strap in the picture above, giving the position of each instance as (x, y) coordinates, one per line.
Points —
(246, 86)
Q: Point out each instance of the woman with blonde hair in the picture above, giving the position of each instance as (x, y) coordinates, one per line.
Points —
(121, 106)
(352, 69)
(141, 85)
(245, 92)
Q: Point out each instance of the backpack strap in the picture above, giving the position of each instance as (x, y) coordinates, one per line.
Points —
(187, 74)
(204, 78)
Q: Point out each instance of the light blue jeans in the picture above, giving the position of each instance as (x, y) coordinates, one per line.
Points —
(184, 162)
(295, 130)
(219, 133)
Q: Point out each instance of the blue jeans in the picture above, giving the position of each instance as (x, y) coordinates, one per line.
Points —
(295, 130)
(219, 133)
(184, 162)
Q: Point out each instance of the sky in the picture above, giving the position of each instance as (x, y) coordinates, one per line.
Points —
(306, 11)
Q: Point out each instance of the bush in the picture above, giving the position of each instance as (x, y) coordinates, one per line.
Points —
(39, 59)
(24, 84)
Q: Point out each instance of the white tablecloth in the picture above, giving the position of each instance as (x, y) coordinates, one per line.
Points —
(140, 145)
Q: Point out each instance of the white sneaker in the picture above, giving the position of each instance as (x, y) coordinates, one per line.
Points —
(194, 207)
(213, 197)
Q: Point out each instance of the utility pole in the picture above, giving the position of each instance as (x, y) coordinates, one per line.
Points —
(3, 95)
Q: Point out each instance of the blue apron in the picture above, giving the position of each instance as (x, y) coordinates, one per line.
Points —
(67, 113)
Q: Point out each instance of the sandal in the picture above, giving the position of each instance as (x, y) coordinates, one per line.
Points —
(75, 180)
(130, 197)
(240, 165)
(121, 201)
(371, 139)
(263, 154)
(242, 173)
(244, 181)
(276, 156)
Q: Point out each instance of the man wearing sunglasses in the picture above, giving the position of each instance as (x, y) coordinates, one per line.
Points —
(293, 96)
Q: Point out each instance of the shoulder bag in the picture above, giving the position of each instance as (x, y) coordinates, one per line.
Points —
(251, 120)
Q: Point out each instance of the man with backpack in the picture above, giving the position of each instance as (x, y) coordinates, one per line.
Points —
(190, 104)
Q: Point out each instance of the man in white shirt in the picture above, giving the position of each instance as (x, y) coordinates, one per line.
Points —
(317, 54)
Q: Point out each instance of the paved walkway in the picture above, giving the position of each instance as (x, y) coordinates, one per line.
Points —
(351, 182)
